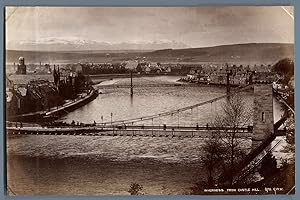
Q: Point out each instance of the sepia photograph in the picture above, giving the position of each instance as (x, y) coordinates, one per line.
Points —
(149, 100)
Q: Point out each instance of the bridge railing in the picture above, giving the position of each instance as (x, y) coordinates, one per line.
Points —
(253, 166)
(141, 127)
(96, 131)
(283, 100)
(255, 152)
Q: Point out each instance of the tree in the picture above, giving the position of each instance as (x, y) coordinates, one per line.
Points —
(285, 68)
(135, 189)
(235, 114)
(268, 166)
(223, 151)
(213, 156)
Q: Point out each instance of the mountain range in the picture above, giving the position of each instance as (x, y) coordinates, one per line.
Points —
(77, 44)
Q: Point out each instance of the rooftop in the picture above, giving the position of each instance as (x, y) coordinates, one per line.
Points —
(22, 79)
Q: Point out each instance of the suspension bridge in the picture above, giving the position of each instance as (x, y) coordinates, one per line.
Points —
(174, 112)
(262, 132)
(147, 126)
(133, 131)
(172, 115)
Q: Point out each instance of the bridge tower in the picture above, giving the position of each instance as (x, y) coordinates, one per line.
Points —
(131, 85)
(263, 120)
(229, 73)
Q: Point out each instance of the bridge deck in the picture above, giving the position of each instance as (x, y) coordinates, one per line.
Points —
(148, 131)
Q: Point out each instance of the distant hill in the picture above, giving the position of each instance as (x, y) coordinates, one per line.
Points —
(253, 52)
(69, 56)
(237, 53)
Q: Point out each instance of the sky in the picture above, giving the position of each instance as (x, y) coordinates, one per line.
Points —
(171, 27)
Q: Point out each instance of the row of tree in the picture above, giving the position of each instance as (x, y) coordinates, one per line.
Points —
(117, 68)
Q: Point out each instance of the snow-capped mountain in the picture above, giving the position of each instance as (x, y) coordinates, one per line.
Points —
(73, 44)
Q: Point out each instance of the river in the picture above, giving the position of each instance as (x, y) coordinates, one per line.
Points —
(83, 165)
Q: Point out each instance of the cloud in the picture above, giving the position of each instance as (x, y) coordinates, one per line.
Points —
(183, 26)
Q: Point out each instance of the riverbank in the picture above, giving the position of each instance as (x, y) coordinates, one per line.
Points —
(206, 83)
(55, 112)
(98, 78)
(65, 109)
(109, 76)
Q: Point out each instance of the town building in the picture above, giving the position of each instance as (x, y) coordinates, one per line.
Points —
(21, 68)
(37, 95)
(29, 93)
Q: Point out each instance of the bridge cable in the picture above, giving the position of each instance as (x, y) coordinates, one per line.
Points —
(216, 111)
(152, 126)
(197, 118)
(159, 121)
(145, 118)
(178, 118)
(211, 113)
(191, 116)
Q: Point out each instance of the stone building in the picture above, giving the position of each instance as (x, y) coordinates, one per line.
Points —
(42, 95)
(263, 120)
(37, 95)
(21, 68)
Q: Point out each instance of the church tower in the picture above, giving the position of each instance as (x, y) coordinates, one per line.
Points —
(21, 68)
